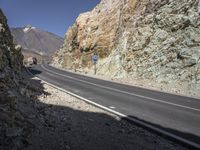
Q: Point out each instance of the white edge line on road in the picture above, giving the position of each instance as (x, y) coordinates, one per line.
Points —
(113, 81)
(125, 116)
(124, 92)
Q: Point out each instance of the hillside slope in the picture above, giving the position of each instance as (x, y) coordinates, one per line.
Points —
(155, 40)
(36, 40)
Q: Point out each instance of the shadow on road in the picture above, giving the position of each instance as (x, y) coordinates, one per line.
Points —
(34, 71)
(184, 135)
(64, 128)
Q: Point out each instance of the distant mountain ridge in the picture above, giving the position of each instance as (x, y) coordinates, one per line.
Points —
(36, 40)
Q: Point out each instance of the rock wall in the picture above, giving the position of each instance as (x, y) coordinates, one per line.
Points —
(12, 123)
(10, 55)
(93, 31)
(157, 40)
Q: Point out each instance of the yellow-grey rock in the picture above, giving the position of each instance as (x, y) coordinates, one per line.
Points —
(156, 40)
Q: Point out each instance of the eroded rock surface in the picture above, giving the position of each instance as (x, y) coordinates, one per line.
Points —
(147, 39)
(13, 127)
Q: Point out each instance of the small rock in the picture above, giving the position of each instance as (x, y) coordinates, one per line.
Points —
(2, 28)
(18, 47)
(91, 119)
(22, 91)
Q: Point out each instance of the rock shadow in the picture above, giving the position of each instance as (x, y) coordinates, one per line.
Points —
(56, 127)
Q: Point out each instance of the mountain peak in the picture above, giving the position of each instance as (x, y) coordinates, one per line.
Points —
(27, 28)
(37, 40)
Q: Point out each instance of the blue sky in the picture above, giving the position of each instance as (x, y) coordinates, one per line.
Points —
(51, 15)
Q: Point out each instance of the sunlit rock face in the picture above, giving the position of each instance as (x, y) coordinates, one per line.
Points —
(92, 31)
(151, 39)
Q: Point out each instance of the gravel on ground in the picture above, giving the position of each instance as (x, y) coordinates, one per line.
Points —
(63, 122)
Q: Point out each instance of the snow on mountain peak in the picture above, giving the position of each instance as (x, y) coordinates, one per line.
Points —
(28, 28)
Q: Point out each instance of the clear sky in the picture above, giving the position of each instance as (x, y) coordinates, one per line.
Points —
(51, 15)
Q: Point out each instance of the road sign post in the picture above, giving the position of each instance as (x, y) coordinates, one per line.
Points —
(95, 59)
(95, 68)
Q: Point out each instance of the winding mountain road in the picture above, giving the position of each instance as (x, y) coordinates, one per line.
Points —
(177, 116)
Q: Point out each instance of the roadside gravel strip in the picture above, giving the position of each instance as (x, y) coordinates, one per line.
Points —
(70, 123)
(104, 103)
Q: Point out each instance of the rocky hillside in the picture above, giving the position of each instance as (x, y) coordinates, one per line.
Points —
(34, 40)
(10, 55)
(13, 126)
(157, 40)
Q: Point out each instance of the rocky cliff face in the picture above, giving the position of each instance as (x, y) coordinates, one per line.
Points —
(147, 39)
(10, 55)
(12, 124)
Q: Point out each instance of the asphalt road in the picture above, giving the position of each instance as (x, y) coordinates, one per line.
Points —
(172, 113)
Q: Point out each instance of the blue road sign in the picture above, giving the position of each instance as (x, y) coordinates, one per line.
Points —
(94, 58)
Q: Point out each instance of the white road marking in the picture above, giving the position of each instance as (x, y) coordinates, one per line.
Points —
(112, 107)
(126, 117)
(124, 92)
(196, 145)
